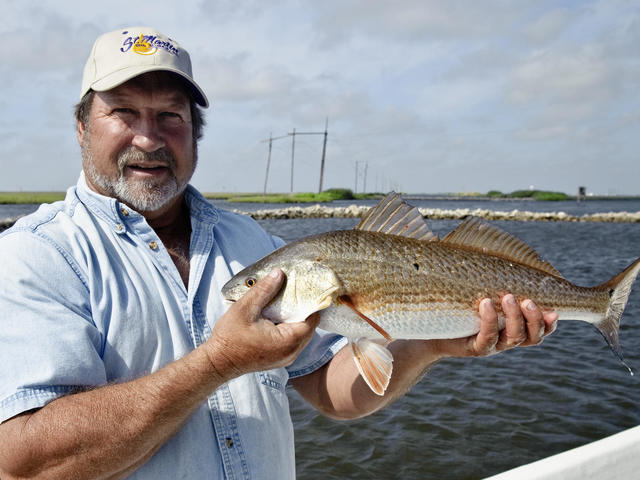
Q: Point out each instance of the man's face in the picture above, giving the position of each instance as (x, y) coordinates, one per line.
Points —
(138, 145)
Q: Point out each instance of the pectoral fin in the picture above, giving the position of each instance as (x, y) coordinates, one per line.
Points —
(374, 362)
(346, 300)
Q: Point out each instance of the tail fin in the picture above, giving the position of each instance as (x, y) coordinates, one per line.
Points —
(619, 289)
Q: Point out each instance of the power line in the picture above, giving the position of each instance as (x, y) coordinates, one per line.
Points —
(266, 173)
(293, 150)
(324, 149)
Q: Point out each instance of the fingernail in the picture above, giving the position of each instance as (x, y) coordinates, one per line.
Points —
(275, 273)
(510, 299)
(530, 305)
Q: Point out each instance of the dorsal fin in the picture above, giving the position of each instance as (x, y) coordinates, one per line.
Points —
(393, 216)
(476, 234)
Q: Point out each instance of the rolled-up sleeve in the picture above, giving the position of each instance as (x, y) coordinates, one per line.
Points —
(322, 347)
(49, 345)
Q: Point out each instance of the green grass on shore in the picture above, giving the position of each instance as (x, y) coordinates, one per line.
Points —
(31, 197)
(306, 197)
(543, 195)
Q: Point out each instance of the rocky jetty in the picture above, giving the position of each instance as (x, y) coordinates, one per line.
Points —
(7, 222)
(355, 211)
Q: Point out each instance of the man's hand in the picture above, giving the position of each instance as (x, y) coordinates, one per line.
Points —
(525, 325)
(242, 341)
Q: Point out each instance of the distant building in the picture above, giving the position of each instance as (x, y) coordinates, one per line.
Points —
(582, 192)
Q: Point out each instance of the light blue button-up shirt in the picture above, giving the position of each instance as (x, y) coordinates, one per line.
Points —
(89, 295)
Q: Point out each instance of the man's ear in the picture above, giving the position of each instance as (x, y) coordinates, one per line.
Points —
(81, 128)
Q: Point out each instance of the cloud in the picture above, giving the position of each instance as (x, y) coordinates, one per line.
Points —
(550, 26)
(410, 20)
(432, 95)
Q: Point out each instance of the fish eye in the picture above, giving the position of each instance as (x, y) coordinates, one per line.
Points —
(250, 282)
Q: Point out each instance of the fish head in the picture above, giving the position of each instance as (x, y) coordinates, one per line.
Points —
(246, 278)
(309, 286)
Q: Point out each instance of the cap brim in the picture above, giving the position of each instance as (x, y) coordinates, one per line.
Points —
(121, 76)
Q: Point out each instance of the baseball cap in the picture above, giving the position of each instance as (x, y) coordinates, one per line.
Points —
(121, 55)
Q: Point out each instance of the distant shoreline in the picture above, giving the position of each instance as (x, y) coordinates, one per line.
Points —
(14, 198)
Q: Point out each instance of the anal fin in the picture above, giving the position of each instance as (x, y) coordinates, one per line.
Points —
(374, 362)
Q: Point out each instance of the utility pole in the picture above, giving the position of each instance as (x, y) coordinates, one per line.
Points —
(364, 186)
(266, 173)
(293, 146)
(293, 149)
(324, 151)
(364, 183)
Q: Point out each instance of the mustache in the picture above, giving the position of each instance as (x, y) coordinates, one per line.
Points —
(132, 156)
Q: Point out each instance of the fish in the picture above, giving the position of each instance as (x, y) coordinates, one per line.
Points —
(391, 277)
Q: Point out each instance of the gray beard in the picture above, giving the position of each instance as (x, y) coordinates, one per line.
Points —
(140, 195)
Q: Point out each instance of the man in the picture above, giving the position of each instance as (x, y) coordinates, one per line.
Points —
(117, 356)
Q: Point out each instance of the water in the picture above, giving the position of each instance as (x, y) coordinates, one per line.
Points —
(13, 211)
(471, 418)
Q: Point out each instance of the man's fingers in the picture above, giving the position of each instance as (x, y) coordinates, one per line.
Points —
(515, 331)
(550, 322)
(313, 320)
(525, 324)
(536, 327)
(484, 343)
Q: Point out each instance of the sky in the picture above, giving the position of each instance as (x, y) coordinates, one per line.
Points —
(424, 96)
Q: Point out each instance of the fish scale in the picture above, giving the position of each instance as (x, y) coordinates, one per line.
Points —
(447, 281)
(392, 278)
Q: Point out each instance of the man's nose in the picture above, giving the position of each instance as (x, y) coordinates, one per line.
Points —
(146, 135)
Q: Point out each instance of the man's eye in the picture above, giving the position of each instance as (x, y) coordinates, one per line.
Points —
(170, 116)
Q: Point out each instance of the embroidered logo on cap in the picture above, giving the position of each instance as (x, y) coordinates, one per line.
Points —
(147, 44)
(143, 47)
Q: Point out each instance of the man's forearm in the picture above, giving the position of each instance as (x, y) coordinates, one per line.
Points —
(109, 431)
(338, 391)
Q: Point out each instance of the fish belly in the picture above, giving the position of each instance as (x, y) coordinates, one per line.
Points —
(400, 323)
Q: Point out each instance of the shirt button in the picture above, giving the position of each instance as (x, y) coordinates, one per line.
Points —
(119, 227)
(125, 212)
(153, 245)
(229, 442)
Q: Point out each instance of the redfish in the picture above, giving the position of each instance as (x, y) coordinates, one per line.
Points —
(392, 278)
